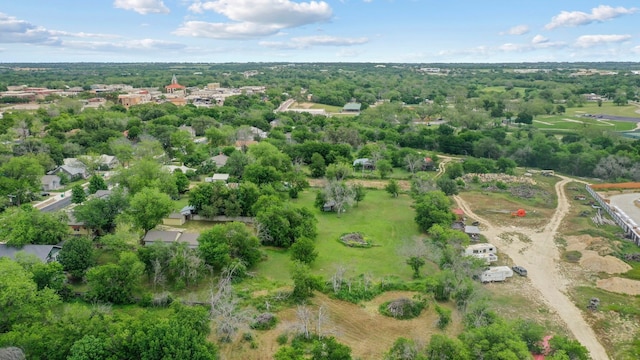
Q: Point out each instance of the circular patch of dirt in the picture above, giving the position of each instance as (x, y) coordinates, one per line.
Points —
(620, 285)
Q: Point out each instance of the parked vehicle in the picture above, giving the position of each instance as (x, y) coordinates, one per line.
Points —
(496, 273)
(519, 270)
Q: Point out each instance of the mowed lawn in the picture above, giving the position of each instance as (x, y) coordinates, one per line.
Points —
(573, 119)
(387, 222)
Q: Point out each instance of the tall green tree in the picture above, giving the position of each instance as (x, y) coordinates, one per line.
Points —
(100, 214)
(393, 188)
(77, 256)
(317, 166)
(26, 225)
(77, 194)
(148, 207)
(115, 283)
(433, 208)
(304, 283)
(304, 250)
(20, 299)
(96, 183)
(20, 177)
(221, 244)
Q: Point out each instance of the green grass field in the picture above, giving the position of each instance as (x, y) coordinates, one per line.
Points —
(386, 221)
(501, 89)
(573, 119)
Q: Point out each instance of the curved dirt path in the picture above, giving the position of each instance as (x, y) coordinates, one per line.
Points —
(536, 250)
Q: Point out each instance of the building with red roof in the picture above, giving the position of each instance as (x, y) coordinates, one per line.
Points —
(174, 87)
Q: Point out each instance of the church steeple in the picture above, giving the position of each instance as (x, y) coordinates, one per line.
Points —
(174, 80)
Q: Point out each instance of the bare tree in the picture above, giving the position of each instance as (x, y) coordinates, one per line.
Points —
(413, 161)
(338, 278)
(304, 321)
(159, 277)
(224, 307)
(341, 194)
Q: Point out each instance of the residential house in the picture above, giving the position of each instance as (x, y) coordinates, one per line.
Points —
(45, 253)
(170, 237)
(73, 168)
(77, 227)
(217, 177)
(259, 133)
(220, 160)
(107, 162)
(50, 182)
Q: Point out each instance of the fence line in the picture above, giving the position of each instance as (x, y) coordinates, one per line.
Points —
(623, 220)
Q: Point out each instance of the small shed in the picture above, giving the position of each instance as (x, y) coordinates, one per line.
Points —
(329, 206)
(472, 231)
(364, 163)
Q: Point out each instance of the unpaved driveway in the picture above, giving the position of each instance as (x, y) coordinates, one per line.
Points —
(539, 254)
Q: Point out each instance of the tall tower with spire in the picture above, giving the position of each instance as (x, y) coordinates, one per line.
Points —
(174, 87)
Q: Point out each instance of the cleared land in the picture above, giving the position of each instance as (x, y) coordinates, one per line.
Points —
(361, 327)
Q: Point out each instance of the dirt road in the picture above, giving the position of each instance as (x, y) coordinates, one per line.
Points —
(536, 250)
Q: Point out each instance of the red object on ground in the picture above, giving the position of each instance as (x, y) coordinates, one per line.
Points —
(519, 213)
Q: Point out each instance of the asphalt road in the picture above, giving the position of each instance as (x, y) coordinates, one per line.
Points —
(62, 203)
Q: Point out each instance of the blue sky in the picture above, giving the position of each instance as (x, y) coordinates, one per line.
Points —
(404, 31)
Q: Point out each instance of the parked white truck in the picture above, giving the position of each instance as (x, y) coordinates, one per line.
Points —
(496, 273)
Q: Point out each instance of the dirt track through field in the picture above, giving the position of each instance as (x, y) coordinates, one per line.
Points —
(540, 256)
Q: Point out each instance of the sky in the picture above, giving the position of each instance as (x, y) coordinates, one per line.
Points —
(375, 31)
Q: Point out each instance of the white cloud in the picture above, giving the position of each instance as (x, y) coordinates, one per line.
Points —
(586, 41)
(577, 18)
(636, 49)
(254, 18)
(13, 30)
(225, 30)
(131, 45)
(539, 39)
(309, 41)
(517, 30)
(142, 6)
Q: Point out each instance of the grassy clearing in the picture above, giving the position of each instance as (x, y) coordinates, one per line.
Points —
(502, 89)
(386, 221)
(309, 105)
(573, 118)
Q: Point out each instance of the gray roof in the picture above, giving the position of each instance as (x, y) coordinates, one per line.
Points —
(47, 179)
(45, 253)
(102, 194)
(71, 170)
(187, 210)
(220, 160)
(189, 238)
(469, 229)
(352, 107)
